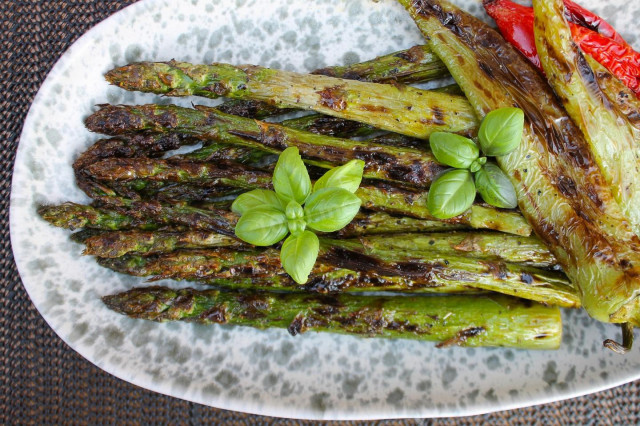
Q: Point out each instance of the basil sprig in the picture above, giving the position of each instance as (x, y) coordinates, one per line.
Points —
(266, 217)
(453, 192)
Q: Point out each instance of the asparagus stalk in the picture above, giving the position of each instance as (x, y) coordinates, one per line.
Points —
(417, 64)
(379, 197)
(136, 145)
(406, 165)
(560, 189)
(396, 108)
(398, 201)
(384, 271)
(376, 223)
(144, 215)
(478, 245)
(342, 128)
(414, 65)
(77, 216)
(215, 151)
(219, 173)
(117, 244)
(452, 320)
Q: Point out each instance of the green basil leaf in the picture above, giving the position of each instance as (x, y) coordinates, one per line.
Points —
(475, 166)
(294, 211)
(298, 255)
(331, 209)
(296, 226)
(347, 176)
(256, 198)
(451, 194)
(495, 187)
(501, 131)
(290, 177)
(262, 226)
(453, 150)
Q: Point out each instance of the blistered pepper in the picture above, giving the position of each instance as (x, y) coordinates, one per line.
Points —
(592, 33)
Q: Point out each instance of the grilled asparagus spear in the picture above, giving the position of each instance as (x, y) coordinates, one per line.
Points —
(117, 244)
(406, 165)
(414, 65)
(145, 215)
(613, 139)
(342, 128)
(396, 108)
(384, 271)
(76, 216)
(477, 245)
(560, 189)
(136, 145)
(222, 173)
(452, 320)
(377, 223)
(378, 197)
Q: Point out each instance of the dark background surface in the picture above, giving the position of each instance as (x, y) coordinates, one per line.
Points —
(42, 380)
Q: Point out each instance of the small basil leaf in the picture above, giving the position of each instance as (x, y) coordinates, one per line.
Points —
(294, 210)
(296, 225)
(262, 226)
(475, 166)
(495, 187)
(451, 194)
(453, 150)
(501, 131)
(331, 209)
(256, 198)
(347, 176)
(290, 177)
(298, 255)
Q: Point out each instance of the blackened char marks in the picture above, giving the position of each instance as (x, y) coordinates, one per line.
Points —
(486, 69)
(373, 108)
(415, 173)
(333, 98)
(217, 314)
(218, 89)
(438, 116)
(461, 337)
(254, 306)
(450, 20)
(414, 54)
(589, 78)
(567, 186)
(114, 120)
(297, 325)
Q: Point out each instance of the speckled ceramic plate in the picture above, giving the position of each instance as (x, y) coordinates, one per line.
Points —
(267, 372)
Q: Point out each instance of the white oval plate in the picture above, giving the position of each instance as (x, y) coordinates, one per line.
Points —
(316, 376)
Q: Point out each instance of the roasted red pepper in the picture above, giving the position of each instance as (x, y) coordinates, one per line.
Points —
(585, 18)
(594, 36)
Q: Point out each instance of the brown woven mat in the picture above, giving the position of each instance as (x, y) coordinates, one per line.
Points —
(41, 379)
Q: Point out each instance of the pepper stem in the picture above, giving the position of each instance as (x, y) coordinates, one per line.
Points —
(627, 340)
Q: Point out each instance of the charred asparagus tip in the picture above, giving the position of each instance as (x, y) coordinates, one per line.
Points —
(627, 340)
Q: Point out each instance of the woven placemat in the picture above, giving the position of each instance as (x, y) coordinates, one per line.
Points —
(42, 380)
